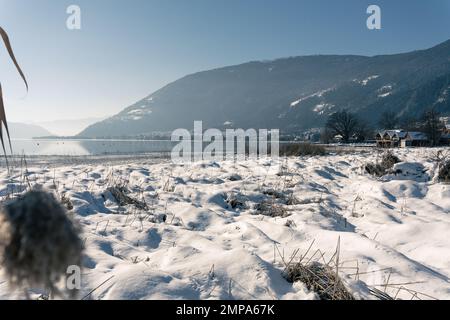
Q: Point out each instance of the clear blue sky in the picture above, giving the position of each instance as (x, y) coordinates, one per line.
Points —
(128, 49)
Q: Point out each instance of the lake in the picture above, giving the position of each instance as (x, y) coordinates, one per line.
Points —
(43, 147)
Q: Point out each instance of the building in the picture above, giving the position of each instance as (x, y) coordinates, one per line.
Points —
(390, 138)
(401, 138)
(415, 139)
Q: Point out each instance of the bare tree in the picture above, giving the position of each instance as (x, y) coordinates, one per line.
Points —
(345, 124)
(326, 136)
(431, 126)
(364, 131)
(410, 123)
(388, 120)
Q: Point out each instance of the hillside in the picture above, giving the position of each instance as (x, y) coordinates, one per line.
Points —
(292, 93)
(26, 131)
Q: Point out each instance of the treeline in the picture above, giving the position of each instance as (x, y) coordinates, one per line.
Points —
(349, 127)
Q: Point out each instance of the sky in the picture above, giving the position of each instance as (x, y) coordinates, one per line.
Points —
(126, 50)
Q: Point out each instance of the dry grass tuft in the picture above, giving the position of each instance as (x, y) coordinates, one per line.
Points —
(318, 275)
(321, 279)
(120, 194)
(66, 202)
(302, 149)
(271, 209)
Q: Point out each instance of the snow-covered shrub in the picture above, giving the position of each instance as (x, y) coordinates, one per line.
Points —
(444, 172)
(38, 241)
(374, 169)
(388, 160)
(441, 159)
(236, 201)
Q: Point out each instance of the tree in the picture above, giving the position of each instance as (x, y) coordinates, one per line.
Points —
(345, 124)
(431, 126)
(388, 120)
(364, 131)
(326, 136)
(410, 123)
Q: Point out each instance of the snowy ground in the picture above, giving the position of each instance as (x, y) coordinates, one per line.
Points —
(393, 230)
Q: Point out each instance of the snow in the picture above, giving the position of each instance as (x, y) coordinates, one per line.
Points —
(443, 97)
(367, 80)
(316, 94)
(140, 111)
(409, 171)
(384, 95)
(296, 102)
(135, 114)
(320, 108)
(205, 249)
(385, 91)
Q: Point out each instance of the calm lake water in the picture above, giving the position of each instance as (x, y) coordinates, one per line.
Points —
(31, 147)
(88, 147)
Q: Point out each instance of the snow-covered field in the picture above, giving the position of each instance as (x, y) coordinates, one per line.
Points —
(202, 236)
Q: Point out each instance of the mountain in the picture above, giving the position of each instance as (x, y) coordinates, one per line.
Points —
(295, 93)
(26, 131)
(68, 127)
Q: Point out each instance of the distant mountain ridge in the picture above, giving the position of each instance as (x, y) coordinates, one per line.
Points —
(68, 127)
(292, 93)
(26, 131)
